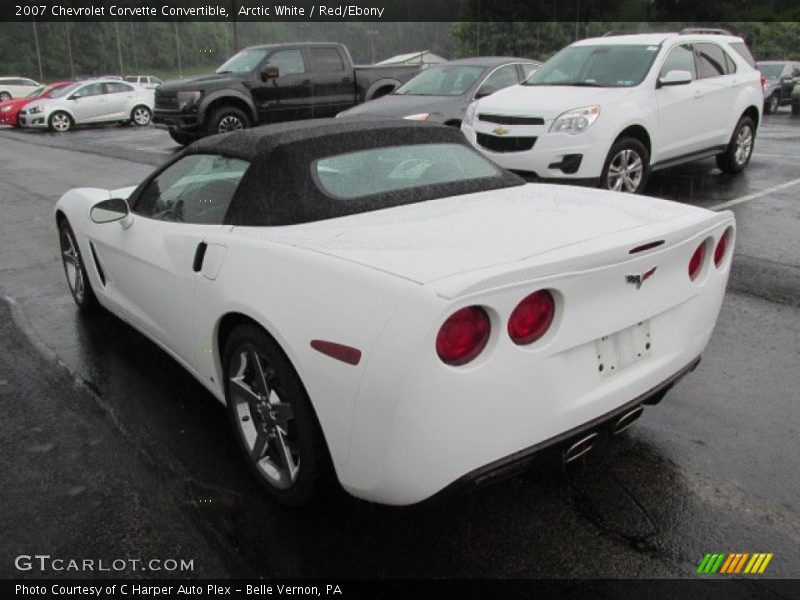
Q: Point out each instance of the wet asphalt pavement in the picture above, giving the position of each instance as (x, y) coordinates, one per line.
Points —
(111, 450)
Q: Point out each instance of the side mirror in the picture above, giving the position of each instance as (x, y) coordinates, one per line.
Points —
(108, 211)
(75, 96)
(270, 73)
(485, 90)
(675, 78)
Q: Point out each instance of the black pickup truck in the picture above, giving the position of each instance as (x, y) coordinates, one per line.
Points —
(269, 84)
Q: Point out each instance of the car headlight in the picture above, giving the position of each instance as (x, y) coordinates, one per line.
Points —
(35, 110)
(188, 98)
(576, 120)
(418, 117)
(469, 116)
(5, 109)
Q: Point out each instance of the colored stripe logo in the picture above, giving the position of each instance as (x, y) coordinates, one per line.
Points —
(734, 563)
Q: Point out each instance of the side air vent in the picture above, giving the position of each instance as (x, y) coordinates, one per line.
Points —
(97, 266)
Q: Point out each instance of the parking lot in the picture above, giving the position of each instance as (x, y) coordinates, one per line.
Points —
(113, 450)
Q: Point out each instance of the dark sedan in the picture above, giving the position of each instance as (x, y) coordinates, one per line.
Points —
(443, 92)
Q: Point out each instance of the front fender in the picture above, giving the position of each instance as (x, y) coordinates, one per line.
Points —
(207, 101)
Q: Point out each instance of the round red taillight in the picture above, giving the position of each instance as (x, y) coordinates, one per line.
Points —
(463, 335)
(696, 262)
(722, 246)
(532, 317)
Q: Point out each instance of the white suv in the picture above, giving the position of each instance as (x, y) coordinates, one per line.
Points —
(610, 110)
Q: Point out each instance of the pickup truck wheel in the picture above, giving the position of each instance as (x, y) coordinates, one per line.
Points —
(772, 104)
(737, 156)
(184, 139)
(274, 420)
(626, 168)
(225, 119)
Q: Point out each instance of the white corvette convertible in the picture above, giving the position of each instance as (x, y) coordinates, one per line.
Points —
(376, 302)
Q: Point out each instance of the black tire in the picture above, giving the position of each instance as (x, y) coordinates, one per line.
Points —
(225, 119)
(184, 139)
(732, 161)
(796, 108)
(253, 418)
(60, 121)
(632, 183)
(141, 116)
(772, 104)
(5, 96)
(75, 270)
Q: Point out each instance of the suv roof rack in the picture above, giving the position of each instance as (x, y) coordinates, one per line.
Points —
(704, 31)
(638, 32)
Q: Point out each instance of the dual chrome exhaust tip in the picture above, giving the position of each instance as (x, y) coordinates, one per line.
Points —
(585, 444)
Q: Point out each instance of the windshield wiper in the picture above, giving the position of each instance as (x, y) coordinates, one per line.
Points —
(570, 84)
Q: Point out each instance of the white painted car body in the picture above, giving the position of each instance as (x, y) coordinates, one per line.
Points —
(17, 87)
(402, 425)
(682, 122)
(115, 102)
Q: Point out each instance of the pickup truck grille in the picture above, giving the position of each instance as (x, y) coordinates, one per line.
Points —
(508, 120)
(166, 100)
(505, 144)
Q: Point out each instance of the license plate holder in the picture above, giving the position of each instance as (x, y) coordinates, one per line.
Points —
(623, 348)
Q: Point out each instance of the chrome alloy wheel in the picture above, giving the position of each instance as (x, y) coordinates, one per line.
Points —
(265, 422)
(625, 171)
(230, 123)
(72, 265)
(141, 116)
(60, 122)
(744, 145)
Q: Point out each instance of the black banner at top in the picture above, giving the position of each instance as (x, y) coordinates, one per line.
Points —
(397, 10)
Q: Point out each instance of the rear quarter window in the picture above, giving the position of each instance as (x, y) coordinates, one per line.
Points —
(742, 50)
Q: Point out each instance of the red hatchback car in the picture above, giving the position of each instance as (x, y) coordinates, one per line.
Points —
(10, 110)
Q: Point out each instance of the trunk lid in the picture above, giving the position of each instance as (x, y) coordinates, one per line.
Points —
(468, 240)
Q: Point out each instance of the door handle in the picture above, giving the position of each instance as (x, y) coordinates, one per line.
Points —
(199, 255)
(346, 80)
(306, 82)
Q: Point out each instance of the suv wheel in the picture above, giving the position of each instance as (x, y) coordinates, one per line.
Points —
(225, 119)
(737, 156)
(772, 104)
(5, 96)
(627, 167)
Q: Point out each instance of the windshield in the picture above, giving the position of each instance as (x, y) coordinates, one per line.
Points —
(443, 80)
(771, 71)
(604, 65)
(243, 62)
(65, 90)
(132, 79)
(35, 92)
(394, 168)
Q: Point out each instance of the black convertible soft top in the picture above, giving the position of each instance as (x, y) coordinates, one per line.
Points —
(279, 188)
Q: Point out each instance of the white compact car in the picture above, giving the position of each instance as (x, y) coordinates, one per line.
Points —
(88, 102)
(611, 110)
(16, 87)
(376, 302)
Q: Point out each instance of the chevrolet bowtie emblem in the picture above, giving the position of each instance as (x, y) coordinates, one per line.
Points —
(500, 131)
(638, 280)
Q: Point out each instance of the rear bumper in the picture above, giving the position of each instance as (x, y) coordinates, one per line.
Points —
(556, 447)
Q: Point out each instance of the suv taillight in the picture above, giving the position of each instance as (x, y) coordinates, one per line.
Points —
(463, 336)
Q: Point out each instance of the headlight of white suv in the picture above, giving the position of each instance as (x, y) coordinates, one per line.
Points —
(576, 120)
(35, 110)
(469, 116)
